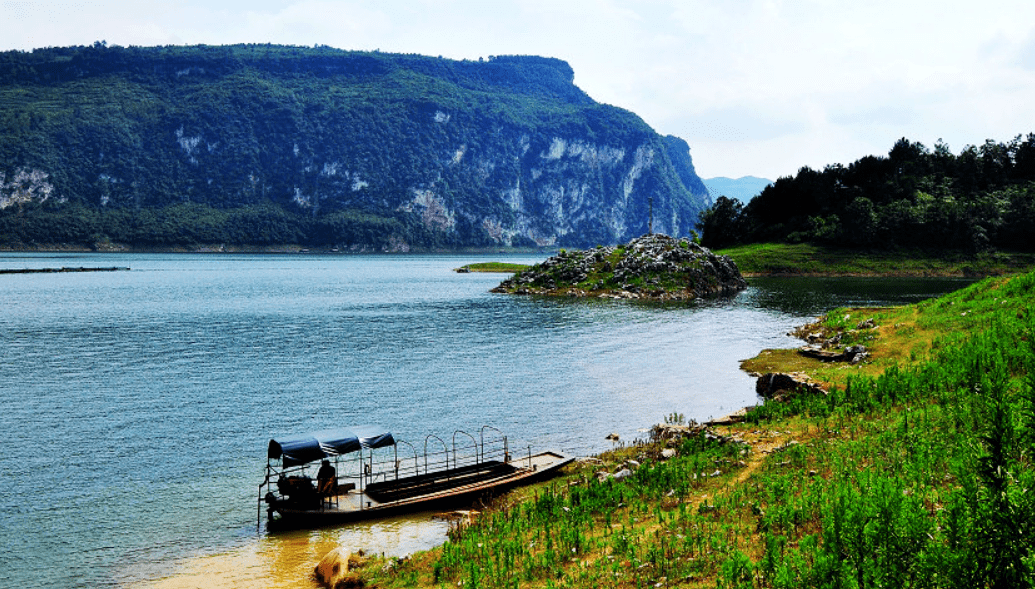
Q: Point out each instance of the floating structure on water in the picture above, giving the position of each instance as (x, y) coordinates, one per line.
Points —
(62, 269)
(363, 475)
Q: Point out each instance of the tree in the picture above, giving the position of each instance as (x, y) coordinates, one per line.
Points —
(722, 225)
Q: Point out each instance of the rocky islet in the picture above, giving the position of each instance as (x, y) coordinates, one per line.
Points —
(651, 267)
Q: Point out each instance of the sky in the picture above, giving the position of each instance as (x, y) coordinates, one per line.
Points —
(756, 87)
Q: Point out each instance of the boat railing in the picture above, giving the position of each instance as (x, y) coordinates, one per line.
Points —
(371, 466)
(416, 466)
(467, 457)
(462, 454)
(444, 453)
(506, 450)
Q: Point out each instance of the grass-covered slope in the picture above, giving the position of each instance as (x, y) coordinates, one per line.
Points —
(914, 471)
(802, 259)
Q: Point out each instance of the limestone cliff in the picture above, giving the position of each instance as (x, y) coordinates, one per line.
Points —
(316, 146)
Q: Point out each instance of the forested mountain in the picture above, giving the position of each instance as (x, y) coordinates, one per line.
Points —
(743, 189)
(979, 200)
(262, 145)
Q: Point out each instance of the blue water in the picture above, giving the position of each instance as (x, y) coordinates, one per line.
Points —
(137, 405)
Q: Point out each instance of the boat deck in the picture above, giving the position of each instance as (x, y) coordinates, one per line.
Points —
(383, 498)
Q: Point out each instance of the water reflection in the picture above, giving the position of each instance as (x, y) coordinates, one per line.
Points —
(814, 296)
(286, 560)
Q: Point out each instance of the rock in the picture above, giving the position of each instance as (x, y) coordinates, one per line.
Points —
(334, 570)
(463, 516)
(867, 324)
(668, 453)
(735, 417)
(652, 267)
(673, 433)
(612, 436)
(624, 473)
(779, 385)
(853, 354)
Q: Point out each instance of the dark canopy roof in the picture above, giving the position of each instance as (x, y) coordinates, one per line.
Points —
(332, 442)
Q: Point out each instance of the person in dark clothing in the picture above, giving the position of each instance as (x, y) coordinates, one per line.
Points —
(326, 479)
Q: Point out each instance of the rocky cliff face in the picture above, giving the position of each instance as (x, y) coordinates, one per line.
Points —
(500, 152)
(651, 267)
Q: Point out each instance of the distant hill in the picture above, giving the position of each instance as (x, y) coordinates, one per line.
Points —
(259, 145)
(742, 189)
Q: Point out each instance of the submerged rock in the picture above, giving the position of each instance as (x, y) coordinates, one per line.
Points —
(652, 267)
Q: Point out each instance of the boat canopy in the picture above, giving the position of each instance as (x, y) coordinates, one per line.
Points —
(332, 442)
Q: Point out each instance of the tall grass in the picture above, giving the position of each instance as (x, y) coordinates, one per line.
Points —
(929, 486)
(921, 476)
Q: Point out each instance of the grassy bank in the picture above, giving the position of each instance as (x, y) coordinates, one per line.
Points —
(780, 259)
(805, 259)
(912, 472)
(502, 267)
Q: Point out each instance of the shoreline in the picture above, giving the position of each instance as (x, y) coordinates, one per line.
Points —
(785, 261)
(270, 249)
(737, 489)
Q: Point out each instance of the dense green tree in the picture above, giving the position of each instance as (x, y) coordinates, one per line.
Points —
(722, 224)
(979, 200)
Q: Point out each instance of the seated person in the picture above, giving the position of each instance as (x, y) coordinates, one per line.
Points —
(326, 479)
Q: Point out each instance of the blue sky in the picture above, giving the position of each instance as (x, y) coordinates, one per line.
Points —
(756, 87)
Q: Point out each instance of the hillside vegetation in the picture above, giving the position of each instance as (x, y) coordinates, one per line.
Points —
(982, 199)
(914, 470)
(262, 145)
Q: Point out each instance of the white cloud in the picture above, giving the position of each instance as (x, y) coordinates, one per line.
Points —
(756, 87)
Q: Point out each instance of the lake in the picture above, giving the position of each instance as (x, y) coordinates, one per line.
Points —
(138, 404)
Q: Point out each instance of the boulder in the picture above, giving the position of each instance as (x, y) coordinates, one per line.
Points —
(624, 473)
(853, 354)
(866, 324)
(334, 570)
(779, 385)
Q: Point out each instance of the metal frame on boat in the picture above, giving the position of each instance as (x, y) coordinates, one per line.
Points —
(372, 479)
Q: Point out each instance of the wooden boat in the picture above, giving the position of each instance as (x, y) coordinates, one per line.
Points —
(378, 482)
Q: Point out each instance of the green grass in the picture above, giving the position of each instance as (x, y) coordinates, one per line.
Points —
(495, 267)
(805, 259)
(914, 471)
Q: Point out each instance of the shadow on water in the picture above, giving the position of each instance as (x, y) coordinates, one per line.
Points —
(814, 296)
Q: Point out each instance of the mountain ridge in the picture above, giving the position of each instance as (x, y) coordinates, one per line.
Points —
(743, 189)
(265, 144)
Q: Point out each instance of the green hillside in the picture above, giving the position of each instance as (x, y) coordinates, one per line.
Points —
(263, 145)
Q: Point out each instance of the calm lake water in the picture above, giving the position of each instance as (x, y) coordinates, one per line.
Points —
(137, 405)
